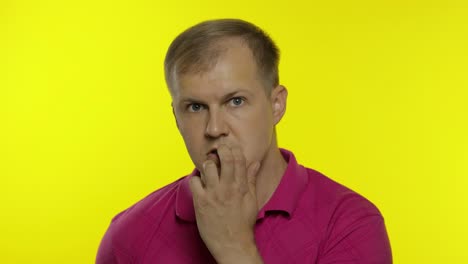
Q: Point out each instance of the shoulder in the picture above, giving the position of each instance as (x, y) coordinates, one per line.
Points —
(336, 210)
(153, 205)
(332, 197)
(149, 210)
(351, 226)
(131, 229)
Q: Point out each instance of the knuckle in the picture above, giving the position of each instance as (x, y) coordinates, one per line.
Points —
(201, 201)
(238, 159)
(223, 149)
(216, 198)
(209, 164)
(229, 159)
(234, 190)
(228, 194)
(243, 189)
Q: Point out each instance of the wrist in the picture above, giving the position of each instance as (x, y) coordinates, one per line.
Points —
(246, 252)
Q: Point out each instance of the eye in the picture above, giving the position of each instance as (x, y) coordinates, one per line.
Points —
(195, 107)
(237, 101)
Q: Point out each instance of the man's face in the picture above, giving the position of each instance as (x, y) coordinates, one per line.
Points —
(225, 105)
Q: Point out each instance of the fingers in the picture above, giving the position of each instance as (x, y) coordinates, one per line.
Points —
(210, 174)
(233, 169)
(240, 171)
(227, 164)
(196, 186)
(252, 176)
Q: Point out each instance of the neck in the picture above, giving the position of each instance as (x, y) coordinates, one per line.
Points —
(271, 171)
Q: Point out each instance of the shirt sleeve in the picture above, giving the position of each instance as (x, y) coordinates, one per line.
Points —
(109, 252)
(363, 241)
(105, 253)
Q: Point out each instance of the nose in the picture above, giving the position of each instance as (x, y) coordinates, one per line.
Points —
(216, 125)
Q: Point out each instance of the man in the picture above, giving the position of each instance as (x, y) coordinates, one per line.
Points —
(247, 201)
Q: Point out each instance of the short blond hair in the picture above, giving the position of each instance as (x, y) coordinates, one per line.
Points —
(195, 50)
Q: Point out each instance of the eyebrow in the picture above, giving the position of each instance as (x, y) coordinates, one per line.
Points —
(224, 98)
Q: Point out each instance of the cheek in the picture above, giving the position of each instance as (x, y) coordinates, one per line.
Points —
(257, 132)
(193, 143)
(190, 126)
(192, 132)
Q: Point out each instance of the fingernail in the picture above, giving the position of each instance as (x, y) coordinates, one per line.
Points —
(208, 162)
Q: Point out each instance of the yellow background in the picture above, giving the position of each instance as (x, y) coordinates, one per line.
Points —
(377, 101)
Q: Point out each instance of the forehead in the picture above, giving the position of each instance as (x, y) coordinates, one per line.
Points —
(234, 69)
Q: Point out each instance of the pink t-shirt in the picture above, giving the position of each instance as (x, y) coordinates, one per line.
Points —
(309, 219)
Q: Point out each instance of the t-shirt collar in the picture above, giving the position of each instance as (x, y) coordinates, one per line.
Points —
(284, 199)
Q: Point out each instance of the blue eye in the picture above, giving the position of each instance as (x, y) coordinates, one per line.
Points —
(195, 107)
(237, 101)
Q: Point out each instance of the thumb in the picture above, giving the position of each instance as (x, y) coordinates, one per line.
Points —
(252, 176)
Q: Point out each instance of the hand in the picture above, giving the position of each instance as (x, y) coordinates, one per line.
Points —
(226, 206)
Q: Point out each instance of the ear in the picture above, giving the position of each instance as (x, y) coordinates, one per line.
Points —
(175, 117)
(279, 96)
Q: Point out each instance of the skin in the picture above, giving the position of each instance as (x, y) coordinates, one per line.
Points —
(228, 108)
